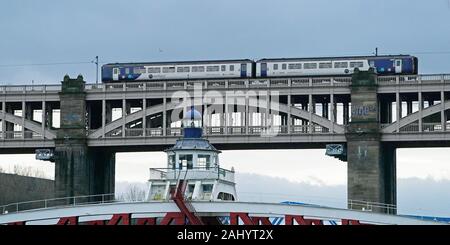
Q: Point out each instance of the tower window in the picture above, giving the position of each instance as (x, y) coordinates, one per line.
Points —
(203, 161)
(185, 161)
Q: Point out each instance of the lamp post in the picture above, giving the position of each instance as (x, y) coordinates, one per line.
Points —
(96, 71)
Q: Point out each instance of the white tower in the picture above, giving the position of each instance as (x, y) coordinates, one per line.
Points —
(194, 160)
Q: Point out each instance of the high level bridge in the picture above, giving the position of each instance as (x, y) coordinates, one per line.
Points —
(86, 124)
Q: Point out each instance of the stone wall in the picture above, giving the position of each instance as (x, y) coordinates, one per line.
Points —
(17, 188)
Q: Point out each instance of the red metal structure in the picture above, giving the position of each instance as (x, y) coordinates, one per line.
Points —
(185, 207)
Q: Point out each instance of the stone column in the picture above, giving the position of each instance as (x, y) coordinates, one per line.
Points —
(79, 170)
(371, 164)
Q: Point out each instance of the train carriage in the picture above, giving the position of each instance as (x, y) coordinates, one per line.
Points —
(336, 66)
(216, 69)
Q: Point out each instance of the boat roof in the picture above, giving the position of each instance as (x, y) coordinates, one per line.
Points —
(192, 144)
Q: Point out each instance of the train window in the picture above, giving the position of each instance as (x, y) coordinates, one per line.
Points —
(340, 64)
(198, 69)
(326, 65)
(169, 69)
(310, 66)
(283, 66)
(231, 67)
(212, 68)
(399, 63)
(183, 69)
(154, 70)
(295, 66)
(275, 66)
(356, 64)
(223, 67)
(127, 70)
(116, 70)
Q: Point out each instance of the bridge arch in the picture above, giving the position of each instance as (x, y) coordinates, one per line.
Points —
(28, 124)
(294, 111)
(411, 118)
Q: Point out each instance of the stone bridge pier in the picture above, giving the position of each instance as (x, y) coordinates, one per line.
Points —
(79, 170)
(371, 163)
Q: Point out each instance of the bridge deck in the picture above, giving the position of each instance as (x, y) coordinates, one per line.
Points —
(27, 133)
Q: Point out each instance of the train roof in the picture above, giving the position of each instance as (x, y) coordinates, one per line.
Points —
(182, 62)
(261, 60)
(336, 58)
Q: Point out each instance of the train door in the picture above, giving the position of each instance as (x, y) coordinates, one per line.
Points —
(115, 74)
(243, 70)
(398, 66)
(263, 69)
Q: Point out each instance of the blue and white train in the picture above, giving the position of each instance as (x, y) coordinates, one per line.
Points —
(246, 68)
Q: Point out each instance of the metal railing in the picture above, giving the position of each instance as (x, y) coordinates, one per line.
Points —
(232, 83)
(222, 130)
(415, 127)
(11, 135)
(431, 127)
(204, 173)
(110, 198)
(372, 206)
(57, 202)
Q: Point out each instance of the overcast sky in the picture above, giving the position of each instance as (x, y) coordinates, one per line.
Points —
(48, 32)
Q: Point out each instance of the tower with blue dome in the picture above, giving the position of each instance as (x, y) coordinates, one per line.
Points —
(192, 124)
(196, 162)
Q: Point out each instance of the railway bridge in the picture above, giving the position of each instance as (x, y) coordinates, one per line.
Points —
(84, 125)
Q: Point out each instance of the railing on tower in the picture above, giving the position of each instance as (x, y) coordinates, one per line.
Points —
(204, 173)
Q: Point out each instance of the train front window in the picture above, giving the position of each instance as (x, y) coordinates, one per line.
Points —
(398, 63)
(116, 70)
(127, 70)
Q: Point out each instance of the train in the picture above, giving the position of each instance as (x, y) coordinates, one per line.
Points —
(263, 68)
